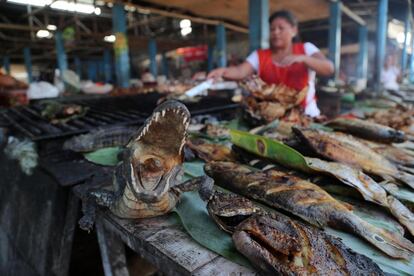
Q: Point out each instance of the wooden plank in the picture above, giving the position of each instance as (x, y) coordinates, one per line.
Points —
(145, 249)
(62, 262)
(168, 247)
(112, 251)
(222, 266)
(178, 246)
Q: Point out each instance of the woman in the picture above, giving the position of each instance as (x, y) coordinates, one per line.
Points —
(286, 62)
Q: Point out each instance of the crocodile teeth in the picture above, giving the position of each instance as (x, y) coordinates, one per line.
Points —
(157, 116)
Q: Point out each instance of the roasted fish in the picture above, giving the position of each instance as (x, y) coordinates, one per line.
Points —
(305, 200)
(277, 244)
(368, 188)
(368, 130)
(210, 152)
(345, 149)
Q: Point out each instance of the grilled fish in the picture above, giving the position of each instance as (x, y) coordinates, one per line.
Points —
(305, 200)
(368, 188)
(278, 245)
(368, 130)
(398, 156)
(345, 149)
(210, 152)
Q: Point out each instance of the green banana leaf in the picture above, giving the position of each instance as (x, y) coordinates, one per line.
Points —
(105, 156)
(193, 169)
(269, 148)
(198, 224)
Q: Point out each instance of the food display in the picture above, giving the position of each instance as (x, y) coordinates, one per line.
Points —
(266, 103)
(58, 113)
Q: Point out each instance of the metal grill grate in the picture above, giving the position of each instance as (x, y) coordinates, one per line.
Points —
(105, 111)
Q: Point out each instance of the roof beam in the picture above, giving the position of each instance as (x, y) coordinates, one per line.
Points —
(353, 15)
(196, 19)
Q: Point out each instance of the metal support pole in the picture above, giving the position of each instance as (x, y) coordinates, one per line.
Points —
(258, 25)
(363, 53)
(221, 45)
(78, 67)
(28, 63)
(381, 40)
(165, 65)
(404, 50)
(335, 36)
(122, 69)
(62, 62)
(210, 57)
(6, 64)
(152, 52)
(411, 78)
(92, 70)
(107, 65)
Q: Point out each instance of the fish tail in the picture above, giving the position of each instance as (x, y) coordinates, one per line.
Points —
(402, 213)
(406, 178)
(393, 244)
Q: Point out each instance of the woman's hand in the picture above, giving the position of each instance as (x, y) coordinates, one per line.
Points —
(217, 73)
(317, 62)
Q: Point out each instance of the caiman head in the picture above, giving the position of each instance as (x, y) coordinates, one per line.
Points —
(154, 155)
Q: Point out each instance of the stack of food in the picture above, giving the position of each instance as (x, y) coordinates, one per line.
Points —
(269, 102)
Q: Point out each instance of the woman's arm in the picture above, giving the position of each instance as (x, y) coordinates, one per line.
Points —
(238, 72)
(317, 62)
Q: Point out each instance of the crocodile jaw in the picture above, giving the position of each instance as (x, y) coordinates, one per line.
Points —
(156, 152)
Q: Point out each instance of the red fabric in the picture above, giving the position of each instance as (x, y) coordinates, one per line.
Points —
(294, 76)
(193, 53)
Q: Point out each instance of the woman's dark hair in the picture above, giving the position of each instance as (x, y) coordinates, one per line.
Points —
(285, 14)
(289, 17)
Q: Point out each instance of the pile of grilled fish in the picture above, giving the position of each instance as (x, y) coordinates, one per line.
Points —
(278, 245)
(306, 200)
(268, 102)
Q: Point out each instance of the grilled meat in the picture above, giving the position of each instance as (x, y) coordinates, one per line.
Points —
(368, 130)
(306, 200)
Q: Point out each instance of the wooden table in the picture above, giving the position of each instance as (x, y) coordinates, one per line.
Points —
(161, 241)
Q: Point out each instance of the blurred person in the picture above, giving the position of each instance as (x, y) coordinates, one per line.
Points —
(285, 62)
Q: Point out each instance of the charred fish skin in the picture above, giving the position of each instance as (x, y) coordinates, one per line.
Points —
(146, 181)
(348, 150)
(277, 245)
(368, 130)
(100, 138)
(305, 200)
